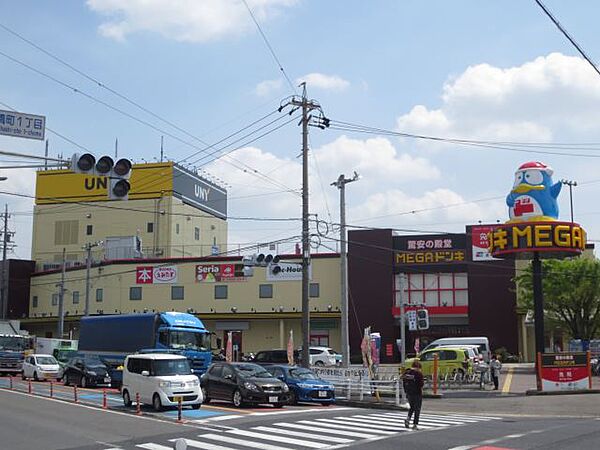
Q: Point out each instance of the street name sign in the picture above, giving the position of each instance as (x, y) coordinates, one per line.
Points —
(22, 125)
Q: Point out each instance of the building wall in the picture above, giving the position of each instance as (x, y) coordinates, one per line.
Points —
(260, 316)
(19, 273)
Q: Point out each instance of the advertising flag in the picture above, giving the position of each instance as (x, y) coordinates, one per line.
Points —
(290, 349)
(229, 348)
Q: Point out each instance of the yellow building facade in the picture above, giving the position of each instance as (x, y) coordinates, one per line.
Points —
(261, 309)
(170, 212)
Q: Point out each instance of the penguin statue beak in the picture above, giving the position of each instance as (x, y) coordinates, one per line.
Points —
(523, 188)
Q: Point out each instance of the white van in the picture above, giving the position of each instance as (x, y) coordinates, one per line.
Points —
(160, 379)
(481, 342)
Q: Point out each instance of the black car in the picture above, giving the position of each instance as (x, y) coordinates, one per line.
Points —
(268, 357)
(86, 371)
(243, 383)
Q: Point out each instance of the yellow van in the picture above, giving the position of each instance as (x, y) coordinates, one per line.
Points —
(450, 360)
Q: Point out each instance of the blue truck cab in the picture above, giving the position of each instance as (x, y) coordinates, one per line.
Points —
(113, 337)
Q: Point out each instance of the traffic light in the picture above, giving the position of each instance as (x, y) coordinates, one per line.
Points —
(422, 319)
(264, 260)
(116, 173)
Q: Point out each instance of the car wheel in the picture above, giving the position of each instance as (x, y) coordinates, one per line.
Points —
(66, 378)
(35, 376)
(156, 403)
(278, 405)
(83, 381)
(196, 405)
(326, 404)
(293, 398)
(205, 395)
(126, 398)
(23, 376)
(319, 363)
(238, 400)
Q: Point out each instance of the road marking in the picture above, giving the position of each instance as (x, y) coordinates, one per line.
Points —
(224, 408)
(203, 445)
(370, 423)
(218, 418)
(284, 440)
(295, 411)
(242, 442)
(341, 425)
(323, 428)
(331, 439)
(151, 446)
(507, 381)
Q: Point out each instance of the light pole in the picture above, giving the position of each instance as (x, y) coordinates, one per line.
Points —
(88, 264)
(341, 185)
(570, 183)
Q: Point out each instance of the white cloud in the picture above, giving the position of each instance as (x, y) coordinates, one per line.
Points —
(268, 87)
(326, 82)
(529, 102)
(183, 20)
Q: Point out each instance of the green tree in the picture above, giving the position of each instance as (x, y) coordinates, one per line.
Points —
(571, 294)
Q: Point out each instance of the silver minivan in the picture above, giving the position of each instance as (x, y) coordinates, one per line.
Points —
(160, 380)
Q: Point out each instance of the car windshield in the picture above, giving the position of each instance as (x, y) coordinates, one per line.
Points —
(93, 362)
(65, 355)
(14, 343)
(253, 371)
(189, 340)
(46, 360)
(168, 367)
(303, 374)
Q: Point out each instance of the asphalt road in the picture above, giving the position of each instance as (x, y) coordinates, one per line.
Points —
(31, 422)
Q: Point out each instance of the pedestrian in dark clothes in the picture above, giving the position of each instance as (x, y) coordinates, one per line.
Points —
(412, 380)
(495, 368)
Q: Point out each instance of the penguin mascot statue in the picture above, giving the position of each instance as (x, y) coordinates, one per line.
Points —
(533, 196)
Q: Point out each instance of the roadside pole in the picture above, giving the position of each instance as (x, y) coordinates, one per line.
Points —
(402, 332)
(3, 277)
(61, 297)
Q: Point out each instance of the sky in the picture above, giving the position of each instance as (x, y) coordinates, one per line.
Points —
(499, 72)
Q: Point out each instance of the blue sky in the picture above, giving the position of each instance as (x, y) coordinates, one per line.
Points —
(485, 70)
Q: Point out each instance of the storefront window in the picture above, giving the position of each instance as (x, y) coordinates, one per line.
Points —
(436, 290)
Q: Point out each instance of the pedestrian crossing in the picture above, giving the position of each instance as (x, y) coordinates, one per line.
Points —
(315, 433)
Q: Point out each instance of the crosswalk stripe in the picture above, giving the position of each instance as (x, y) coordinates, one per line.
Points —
(343, 425)
(459, 416)
(370, 423)
(426, 417)
(434, 424)
(440, 416)
(243, 442)
(203, 445)
(330, 439)
(282, 439)
(322, 428)
(151, 446)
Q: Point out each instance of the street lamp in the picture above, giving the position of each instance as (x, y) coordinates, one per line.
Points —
(570, 183)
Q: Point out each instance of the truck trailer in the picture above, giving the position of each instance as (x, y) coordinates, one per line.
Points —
(113, 337)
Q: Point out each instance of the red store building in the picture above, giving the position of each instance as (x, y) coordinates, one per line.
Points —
(466, 292)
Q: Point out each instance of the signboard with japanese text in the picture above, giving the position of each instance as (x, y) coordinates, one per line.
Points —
(22, 125)
(565, 371)
(429, 249)
(213, 273)
(480, 242)
(156, 275)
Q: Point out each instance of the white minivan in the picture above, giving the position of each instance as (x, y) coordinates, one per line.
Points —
(160, 379)
(481, 342)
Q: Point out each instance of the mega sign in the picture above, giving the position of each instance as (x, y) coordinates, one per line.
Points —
(429, 249)
(556, 237)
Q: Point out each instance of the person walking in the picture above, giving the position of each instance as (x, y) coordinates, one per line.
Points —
(495, 368)
(412, 381)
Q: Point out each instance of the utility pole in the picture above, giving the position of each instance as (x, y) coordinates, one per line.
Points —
(570, 183)
(61, 297)
(88, 265)
(341, 185)
(402, 279)
(3, 277)
(307, 106)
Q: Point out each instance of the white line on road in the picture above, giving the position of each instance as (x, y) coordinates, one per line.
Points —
(282, 439)
(342, 425)
(151, 446)
(204, 445)
(324, 428)
(242, 442)
(331, 439)
(296, 411)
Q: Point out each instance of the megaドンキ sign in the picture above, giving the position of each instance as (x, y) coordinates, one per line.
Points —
(565, 371)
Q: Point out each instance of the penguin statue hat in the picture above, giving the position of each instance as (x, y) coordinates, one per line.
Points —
(533, 196)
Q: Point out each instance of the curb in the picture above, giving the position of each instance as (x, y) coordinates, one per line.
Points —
(574, 392)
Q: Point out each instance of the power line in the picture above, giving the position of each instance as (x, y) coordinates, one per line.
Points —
(279, 65)
(567, 35)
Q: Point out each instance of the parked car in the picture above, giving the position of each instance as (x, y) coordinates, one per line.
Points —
(63, 356)
(243, 383)
(323, 356)
(450, 360)
(86, 371)
(160, 379)
(304, 384)
(40, 367)
(482, 342)
(265, 357)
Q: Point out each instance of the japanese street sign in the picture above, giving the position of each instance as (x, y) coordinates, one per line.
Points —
(23, 125)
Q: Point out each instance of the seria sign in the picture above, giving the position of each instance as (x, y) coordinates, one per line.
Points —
(551, 239)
